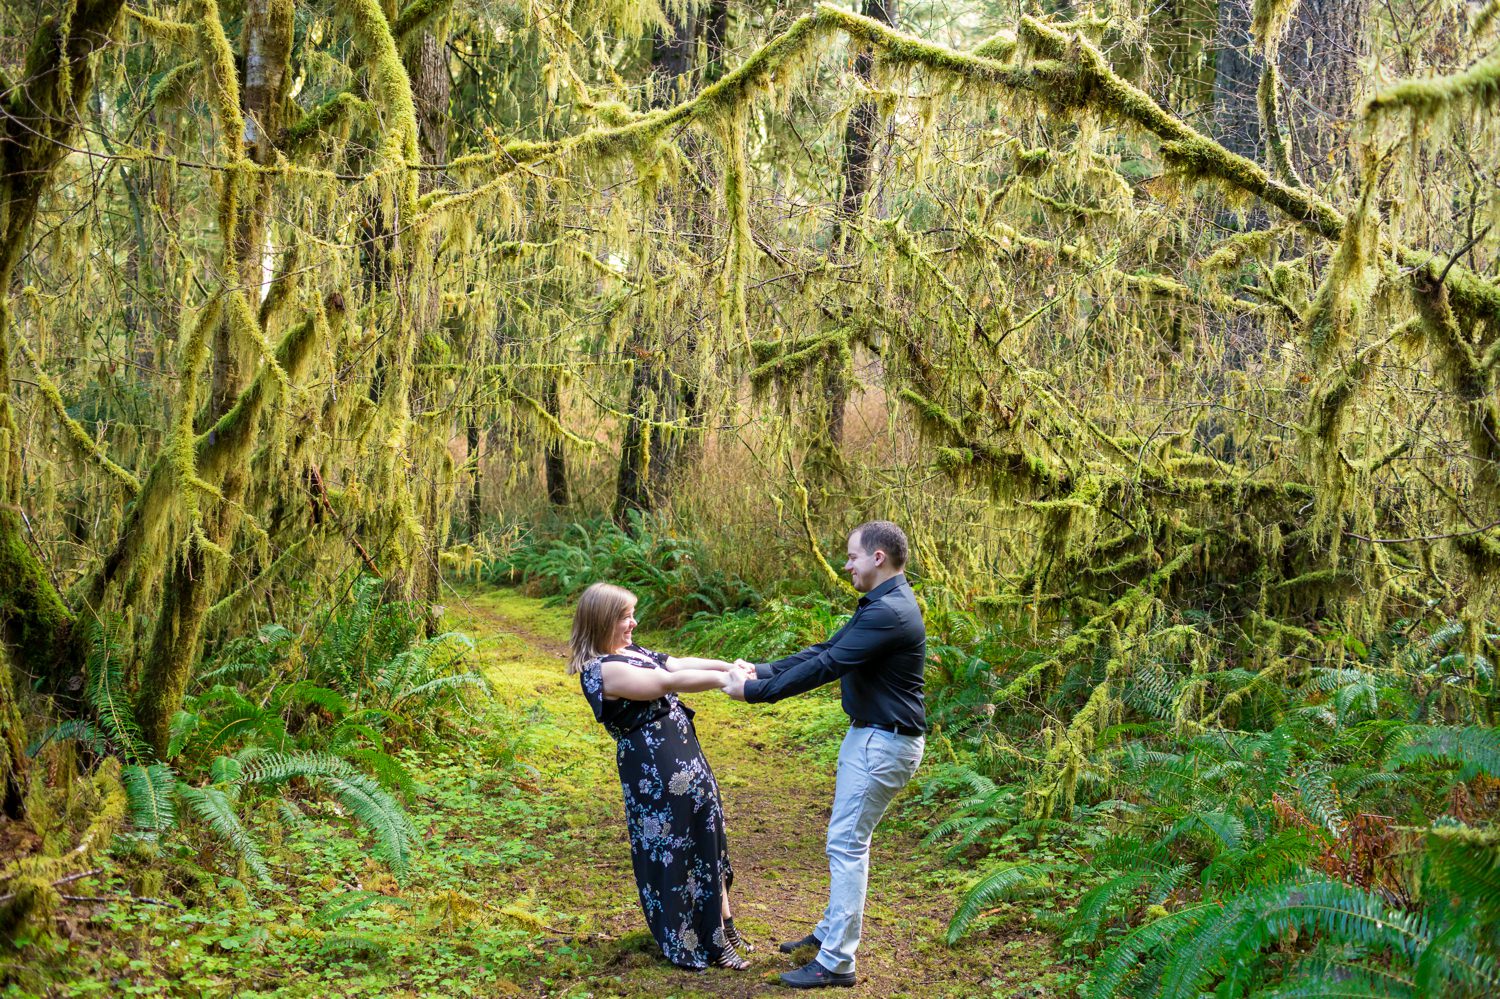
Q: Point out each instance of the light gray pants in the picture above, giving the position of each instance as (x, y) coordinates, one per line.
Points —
(873, 766)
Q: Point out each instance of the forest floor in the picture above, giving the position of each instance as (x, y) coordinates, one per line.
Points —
(524, 885)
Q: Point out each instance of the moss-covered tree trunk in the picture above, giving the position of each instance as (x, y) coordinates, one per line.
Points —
(12, 746)
(647, 454)
(198, 569)
(426, 62)
(38, 122)
(554, 461)
(859, 150)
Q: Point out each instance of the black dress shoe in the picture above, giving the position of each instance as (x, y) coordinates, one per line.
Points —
(813, 975)
(811, 940)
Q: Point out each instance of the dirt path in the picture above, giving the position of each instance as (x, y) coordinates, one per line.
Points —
(775, 767)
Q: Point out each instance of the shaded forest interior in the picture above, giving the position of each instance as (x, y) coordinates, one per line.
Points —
(1170, 333)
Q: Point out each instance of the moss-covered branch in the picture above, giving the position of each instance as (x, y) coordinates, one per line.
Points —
(85, 445)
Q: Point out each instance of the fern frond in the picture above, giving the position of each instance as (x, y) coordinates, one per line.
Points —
(76, 729)
(352, 902)
(217, 811)
(368, 802)
(993, 887)
(106, 694)
(1320, 800)
(1466, 862)
(1333, 981)
(1109, 974)
(430, 691)
(1228, 829)
(1475, 749)
(1094, 905)
(151, 794)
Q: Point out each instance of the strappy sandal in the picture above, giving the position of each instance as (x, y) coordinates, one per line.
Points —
(731, 959)
(735, 939)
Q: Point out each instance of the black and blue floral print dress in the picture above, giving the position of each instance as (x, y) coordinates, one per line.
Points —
(673, 812)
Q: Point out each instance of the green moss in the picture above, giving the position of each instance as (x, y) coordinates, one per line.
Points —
(34, 620)
(1477, 87)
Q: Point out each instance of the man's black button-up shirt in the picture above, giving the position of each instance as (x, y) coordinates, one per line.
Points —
(879, 655)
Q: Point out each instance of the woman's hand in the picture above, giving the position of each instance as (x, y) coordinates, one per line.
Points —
(734, 684)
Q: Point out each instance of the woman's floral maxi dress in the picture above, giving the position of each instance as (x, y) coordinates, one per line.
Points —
(673, 812)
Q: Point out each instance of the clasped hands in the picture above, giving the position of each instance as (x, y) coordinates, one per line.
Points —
(739, 671)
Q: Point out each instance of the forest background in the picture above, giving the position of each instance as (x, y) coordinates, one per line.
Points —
(1169, 332)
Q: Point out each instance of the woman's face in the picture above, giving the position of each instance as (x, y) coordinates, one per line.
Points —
(624, 628)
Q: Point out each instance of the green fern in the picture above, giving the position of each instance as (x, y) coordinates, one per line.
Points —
(366, 800)
(151, 794)
(75, 730)
(106, 694)
(1114, 969)
(1466, 862)
(1475, 750)
(353, 902)
(217, 811)
(1230, 948)
(1334, 980)
(994, 887)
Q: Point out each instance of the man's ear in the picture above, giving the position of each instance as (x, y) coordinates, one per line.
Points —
(879, 556)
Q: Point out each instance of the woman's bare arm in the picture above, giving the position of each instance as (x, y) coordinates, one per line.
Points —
(631, 683)
(675, 663)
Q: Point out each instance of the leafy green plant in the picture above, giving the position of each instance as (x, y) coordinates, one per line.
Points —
(673, 577)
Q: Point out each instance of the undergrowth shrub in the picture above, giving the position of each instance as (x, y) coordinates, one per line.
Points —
(673, 577)
(1333, 834)
(277, 720)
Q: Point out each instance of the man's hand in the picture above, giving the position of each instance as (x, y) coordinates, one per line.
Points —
(735, 687)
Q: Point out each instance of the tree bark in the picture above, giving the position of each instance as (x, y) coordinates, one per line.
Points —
(859, 148)
(13, 760)
(37, 125)
(1237, 69)
(1319, 61)
(265, 58)
(647, 456)
(426, 61)
(474, 508)
(196, 574)
(554, 460)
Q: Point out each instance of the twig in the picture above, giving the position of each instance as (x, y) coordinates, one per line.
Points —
(322, 495)
(1429, 537)
(122, 898)
(60, 881)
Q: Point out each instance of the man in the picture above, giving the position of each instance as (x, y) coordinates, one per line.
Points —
(880, 656)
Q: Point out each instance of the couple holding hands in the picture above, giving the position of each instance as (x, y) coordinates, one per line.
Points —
(672, 809)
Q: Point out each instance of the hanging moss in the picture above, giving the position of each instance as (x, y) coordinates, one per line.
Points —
(1477, 87)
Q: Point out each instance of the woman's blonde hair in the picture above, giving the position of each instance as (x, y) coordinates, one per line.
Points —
(594, 621)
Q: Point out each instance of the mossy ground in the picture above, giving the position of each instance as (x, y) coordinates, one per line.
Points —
(524, 885)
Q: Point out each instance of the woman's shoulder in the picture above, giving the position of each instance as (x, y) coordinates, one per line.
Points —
(659, 658)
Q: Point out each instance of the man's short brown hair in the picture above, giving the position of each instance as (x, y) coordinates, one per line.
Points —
(882, 535)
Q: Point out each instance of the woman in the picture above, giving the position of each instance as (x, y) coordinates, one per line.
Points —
(672, 807)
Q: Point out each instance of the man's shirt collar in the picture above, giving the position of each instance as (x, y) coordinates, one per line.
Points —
(898, 579)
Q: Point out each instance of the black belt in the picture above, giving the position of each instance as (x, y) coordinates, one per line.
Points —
(885, 727)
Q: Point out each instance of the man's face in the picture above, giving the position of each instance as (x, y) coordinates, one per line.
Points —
(863, 566)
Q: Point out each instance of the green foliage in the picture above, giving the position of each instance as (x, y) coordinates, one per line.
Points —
(215, 808)
(366, 801)
(1253, 860)
(151, 791)
(1475, 749)
(106, 694)
(671, 576)
(994, 887)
